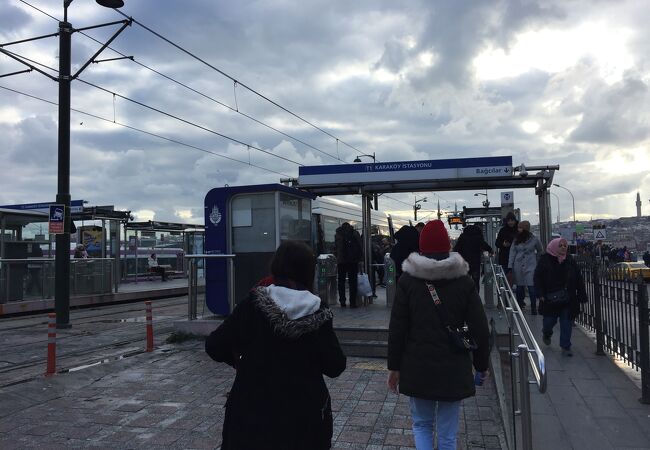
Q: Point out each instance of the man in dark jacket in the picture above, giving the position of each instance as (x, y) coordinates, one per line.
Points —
(471, 246)
(421, 359)
(505, 238)
(407, 242)
(348, 255)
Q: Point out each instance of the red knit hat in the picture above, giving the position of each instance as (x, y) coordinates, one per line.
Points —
(434, 238)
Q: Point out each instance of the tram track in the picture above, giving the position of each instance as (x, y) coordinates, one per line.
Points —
(68, 362)
(161, 303)
(103, 335)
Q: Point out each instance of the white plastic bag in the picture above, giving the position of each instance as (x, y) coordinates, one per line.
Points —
(363, 285)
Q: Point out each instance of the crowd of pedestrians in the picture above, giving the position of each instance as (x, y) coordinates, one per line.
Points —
(281, 341)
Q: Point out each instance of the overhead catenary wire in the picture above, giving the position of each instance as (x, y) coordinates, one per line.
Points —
(168, 114)
(235, 109)
(245, 86)
(139, 130)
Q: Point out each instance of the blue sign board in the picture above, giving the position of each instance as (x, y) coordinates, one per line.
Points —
(57, 219)
(395, 171)
(76, 206)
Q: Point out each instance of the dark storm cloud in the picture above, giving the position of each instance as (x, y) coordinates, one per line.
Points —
(456, 33)
(13, 19)
(615, 114)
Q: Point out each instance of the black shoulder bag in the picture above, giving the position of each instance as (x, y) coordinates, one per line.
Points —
(459, 339)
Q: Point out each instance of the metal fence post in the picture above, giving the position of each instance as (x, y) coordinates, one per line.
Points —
(598, 312)
(524, 399)
(644, 341)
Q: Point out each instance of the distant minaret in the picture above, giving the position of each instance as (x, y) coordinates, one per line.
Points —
(638, 205)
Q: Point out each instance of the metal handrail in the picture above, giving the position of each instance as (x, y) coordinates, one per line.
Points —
(528, 354)
(192, 279)
(523, 330)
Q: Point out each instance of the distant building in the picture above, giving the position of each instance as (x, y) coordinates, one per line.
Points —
(638, 205)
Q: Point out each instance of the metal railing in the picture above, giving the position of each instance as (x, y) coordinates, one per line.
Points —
(193, 279)
(33, 278)
(617, 312)
(528, 354)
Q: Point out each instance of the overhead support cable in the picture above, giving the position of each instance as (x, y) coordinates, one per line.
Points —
(245, 86)
(139, 130)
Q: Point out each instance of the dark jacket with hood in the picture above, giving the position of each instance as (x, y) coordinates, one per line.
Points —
(348, 245)
(281, 342)
(408, 241)
(471, 245)
(418, 345)
(553, 276)
(506, 234)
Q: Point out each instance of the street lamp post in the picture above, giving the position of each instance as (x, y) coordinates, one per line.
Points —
(62, 257)
(486, 202)
(417, 207)
(557, 197)
(358, 158)
(573, 201)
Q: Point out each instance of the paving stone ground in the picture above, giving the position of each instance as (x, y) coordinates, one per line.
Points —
(174, 398)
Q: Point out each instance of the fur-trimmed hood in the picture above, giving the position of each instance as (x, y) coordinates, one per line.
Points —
(430, 269)
(291, 313)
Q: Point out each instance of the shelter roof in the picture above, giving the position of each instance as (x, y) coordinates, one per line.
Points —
(153, 225)
(18, 218)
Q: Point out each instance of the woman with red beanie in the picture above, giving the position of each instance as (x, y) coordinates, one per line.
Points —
(423, 361)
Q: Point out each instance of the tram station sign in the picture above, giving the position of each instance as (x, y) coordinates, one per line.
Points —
(396, 171)
(76, 206)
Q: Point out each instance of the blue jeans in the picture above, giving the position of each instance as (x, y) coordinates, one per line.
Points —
(566, 325)
(446, 420)
(521, 294)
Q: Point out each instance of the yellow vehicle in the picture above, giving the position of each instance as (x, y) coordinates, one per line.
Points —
(629, 271)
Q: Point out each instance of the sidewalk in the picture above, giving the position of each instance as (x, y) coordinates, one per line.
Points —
(590, 402)
(174, 397)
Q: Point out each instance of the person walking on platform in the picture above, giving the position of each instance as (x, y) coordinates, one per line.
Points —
(561, 289)
(281, 342)
(423, 362)
(407, 242)
(471, 246)
(522, 262)
(348, 255)
(505, 238)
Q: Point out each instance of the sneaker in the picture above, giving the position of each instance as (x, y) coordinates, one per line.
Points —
(547, 339)
(567, 352)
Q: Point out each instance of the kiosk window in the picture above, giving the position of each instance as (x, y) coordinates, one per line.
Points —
(295, 218)
(254, 228)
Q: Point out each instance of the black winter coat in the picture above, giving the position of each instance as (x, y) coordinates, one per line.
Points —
(418, 345)
(506, 234)
(471, 246)
(348, 244)
(551, 276)
(408, 241)
(279, 399)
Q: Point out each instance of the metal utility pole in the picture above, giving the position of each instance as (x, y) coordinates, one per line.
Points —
(62, 258)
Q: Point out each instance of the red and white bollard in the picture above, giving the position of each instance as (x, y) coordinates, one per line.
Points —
(149, 326)
(51, 344)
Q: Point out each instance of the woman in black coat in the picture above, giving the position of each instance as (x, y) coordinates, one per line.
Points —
(281, 342)
(422, 363)
(561, 289)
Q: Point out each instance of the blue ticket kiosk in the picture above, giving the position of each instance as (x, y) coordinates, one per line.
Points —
(249, 222)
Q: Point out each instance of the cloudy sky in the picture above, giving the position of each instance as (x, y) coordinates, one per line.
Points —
(549, 82)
